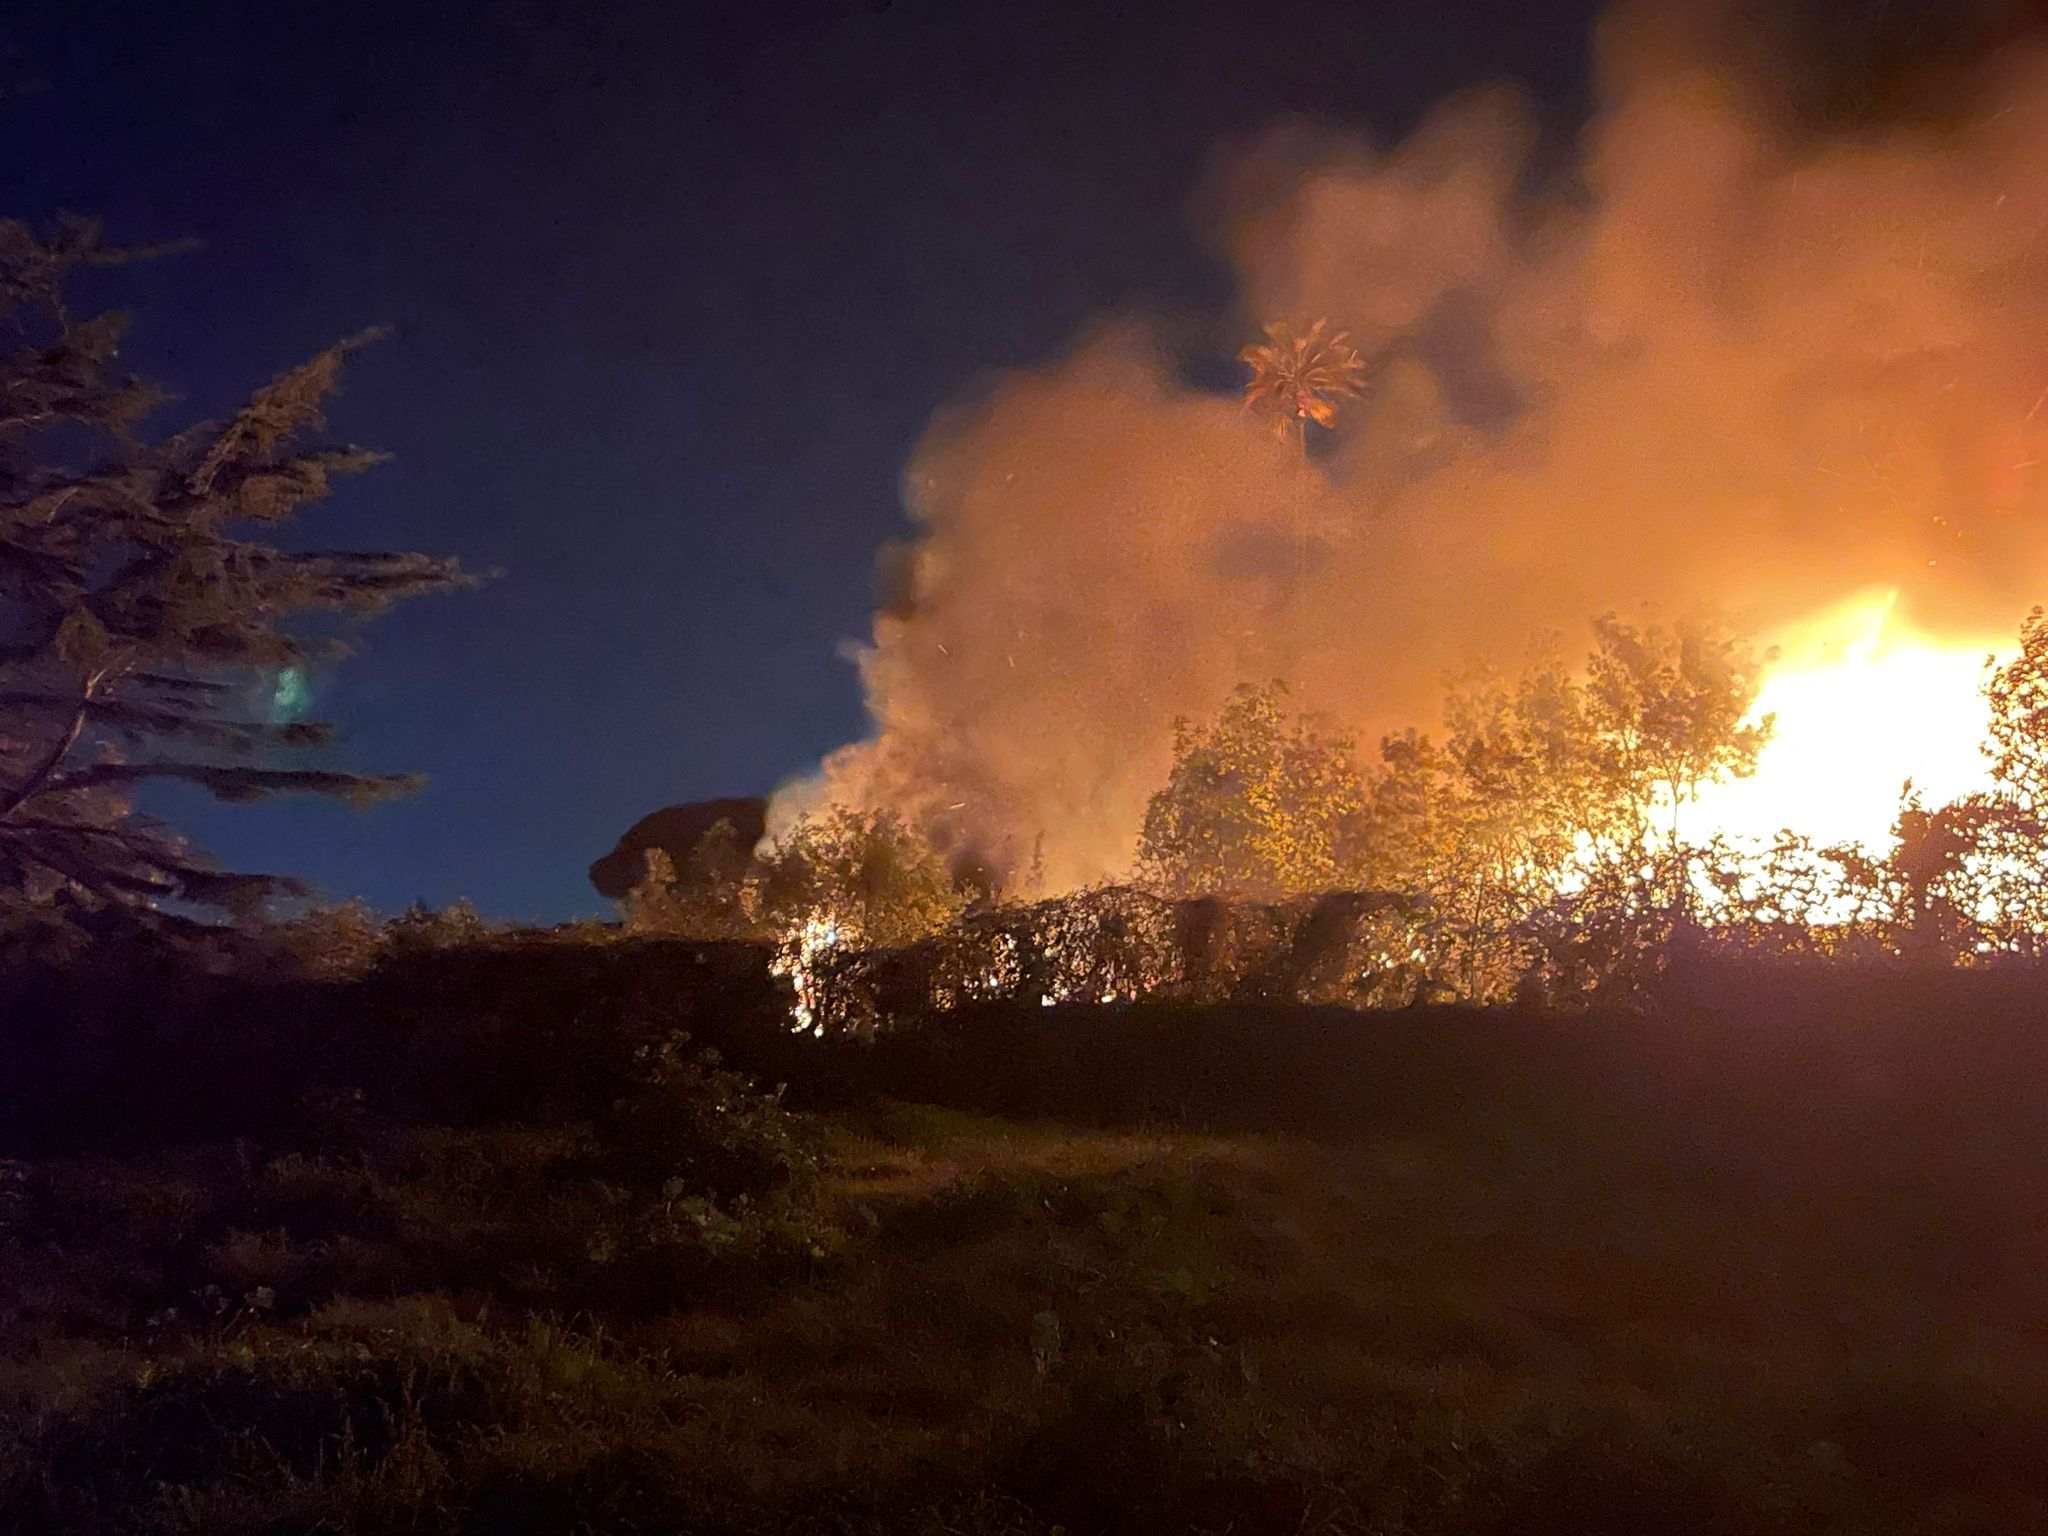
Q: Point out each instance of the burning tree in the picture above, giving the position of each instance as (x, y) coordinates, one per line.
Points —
(143, 631)
(1301, 377)
(867, 874)
(1539, 813)
(1535, 771)
(1962, 880)
(1969, 876)
(1490, 823)
(825, 893)
(830, 895)
(2018, 734)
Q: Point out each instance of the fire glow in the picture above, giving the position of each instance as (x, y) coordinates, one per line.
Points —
(1734, 359)
(1864, 704)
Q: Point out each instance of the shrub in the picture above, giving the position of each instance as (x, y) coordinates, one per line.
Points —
(337, 943)
(693, 1126)
(420, 927)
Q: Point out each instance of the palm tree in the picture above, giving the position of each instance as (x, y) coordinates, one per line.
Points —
(1298, 378)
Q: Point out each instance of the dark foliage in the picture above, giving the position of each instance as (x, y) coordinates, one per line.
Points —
(143, 619)
(134, 1043)
(1527, 1275)
(476, 1242)
(691, 1120)
(675, 830)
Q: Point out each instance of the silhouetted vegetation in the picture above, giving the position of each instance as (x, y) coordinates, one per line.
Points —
(144, 633)
(485, 1238)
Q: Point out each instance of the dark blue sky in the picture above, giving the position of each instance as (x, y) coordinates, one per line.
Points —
(675, 288)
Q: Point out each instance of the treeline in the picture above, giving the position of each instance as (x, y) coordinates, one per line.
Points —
(1534, 849)
(1553, 806)
(1534, 845)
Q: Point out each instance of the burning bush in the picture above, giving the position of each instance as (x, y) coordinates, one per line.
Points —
(1557, 843)
(875, 880)
(829, 889)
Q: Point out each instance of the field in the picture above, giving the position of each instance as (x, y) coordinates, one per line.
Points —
(1236, 1269)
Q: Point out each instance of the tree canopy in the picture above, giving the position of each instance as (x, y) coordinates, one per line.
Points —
(1531, 772)
(868, 876)
(145, 615)
(1256, 804)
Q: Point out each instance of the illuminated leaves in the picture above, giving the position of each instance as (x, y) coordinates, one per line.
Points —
(874, 878)
(1670, 706)
(1257, 803)
(2018, 693)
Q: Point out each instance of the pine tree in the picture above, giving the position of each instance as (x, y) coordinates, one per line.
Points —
(142, 611)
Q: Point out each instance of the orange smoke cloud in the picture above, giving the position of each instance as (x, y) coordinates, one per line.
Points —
(1725, 358)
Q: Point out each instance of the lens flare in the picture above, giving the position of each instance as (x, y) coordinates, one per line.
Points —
(291, 695)
(1864, 702)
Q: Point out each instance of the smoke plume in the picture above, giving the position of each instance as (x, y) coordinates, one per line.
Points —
(1743, 347)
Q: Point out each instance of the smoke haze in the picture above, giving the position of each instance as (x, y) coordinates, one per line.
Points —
(1739, 349)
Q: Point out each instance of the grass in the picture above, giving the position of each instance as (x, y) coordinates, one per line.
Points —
(1542, 1304)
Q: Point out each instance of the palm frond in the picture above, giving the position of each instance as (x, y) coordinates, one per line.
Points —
(1302, 376)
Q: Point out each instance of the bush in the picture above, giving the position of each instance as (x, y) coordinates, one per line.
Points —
(693, 1125)
(339, 943)
(420, 927)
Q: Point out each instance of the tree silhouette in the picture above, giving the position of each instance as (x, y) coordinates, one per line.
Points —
(2017, 742)
(142, 626)
(1297, 378)
(714, 895)
(1971, 875)
(1301, 377)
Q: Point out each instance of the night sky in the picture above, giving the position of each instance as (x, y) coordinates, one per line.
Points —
(675, 288)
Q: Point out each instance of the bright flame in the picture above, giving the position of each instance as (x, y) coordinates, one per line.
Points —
(1864, 702)
(801, 957)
